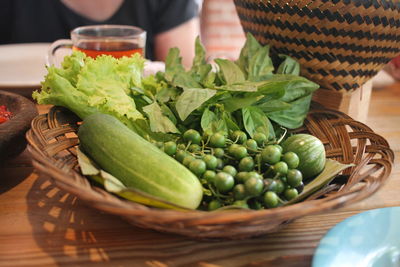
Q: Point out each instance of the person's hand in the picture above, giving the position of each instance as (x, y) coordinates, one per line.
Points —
(182, 37)
(394, 68)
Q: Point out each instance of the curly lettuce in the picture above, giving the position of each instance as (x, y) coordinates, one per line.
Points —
(85, 85)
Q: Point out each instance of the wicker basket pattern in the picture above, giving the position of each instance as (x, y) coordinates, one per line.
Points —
(52, 143)
(340, 44)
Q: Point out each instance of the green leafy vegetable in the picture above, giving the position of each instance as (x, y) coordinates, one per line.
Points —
(255, 120)
(173, 64)
(191, 99)
(293, 116)
(288, 66)
(207, 118)
(331, 169)
(249, 49)
(298, 94)
(231, 125)
(185, 80)
(200, 56)
(240, 101)
(200, 70)
(158, 121)
(229, 100)
(260, 65)
(297, 87)
(244, 94)
(272, 105)
(86, 86)
(230, 73)
(283, 97)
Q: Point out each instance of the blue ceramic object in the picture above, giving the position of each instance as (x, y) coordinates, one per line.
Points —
(368, 239)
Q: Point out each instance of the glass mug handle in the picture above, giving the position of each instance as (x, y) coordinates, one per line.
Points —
(62, 43)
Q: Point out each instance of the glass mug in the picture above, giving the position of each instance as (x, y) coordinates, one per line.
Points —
(114, 40)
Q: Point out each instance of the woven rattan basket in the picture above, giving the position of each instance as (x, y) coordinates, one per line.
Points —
(52, 142)
(340, 44)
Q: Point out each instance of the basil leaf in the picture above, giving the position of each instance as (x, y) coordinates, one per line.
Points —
(209, 80)
(298, 93)
(255, 120)
(219, 126)
(238, 102)
(230, 123)
(207, 118)
(166, 94)
(272, 88)
(216, 121)
(173, 64)
(229, 72)
(294, 116)
(271, 131)
(185, 80)
(296, 86)
(245, 86)
(202, 75)
(199, 54)
(272, 105)
(175, 72)
(260, 65)
(288, 66)
(191, 99)
(158, 121)
(200, 69)
(251, 46)
(168, 112)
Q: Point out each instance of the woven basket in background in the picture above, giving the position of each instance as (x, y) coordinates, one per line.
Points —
(52, 142)
(340, 44)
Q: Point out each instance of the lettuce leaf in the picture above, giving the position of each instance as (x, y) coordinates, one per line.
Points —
(86, 86)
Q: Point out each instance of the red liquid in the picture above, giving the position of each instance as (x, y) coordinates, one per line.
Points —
(116, 49)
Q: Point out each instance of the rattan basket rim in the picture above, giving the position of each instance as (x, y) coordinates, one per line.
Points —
(229, 224)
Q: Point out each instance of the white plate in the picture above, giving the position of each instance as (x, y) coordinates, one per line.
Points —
(22, 65)
(368, 239)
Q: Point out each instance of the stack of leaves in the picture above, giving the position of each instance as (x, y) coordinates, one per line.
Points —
(254, 95)
(247, 94)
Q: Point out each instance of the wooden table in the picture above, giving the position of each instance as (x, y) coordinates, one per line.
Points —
(43, 226)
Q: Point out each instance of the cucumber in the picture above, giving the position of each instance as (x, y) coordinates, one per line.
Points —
(136, 162)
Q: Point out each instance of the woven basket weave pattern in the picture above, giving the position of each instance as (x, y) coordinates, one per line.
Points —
(52, 142)
(340, 44)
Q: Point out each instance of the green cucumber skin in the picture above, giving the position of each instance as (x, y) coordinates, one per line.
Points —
(311, 152)
(138, 163)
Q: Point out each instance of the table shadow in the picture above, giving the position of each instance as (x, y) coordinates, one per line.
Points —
(72, 233)
(9, 178)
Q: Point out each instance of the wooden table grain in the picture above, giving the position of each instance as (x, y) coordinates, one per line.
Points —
(41, 225)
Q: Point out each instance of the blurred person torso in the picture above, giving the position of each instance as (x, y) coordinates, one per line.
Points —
(29, 21)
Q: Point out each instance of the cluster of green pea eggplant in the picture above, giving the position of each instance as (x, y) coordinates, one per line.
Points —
(237, 171)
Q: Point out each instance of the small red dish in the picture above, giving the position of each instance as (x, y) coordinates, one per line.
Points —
(12, 131)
